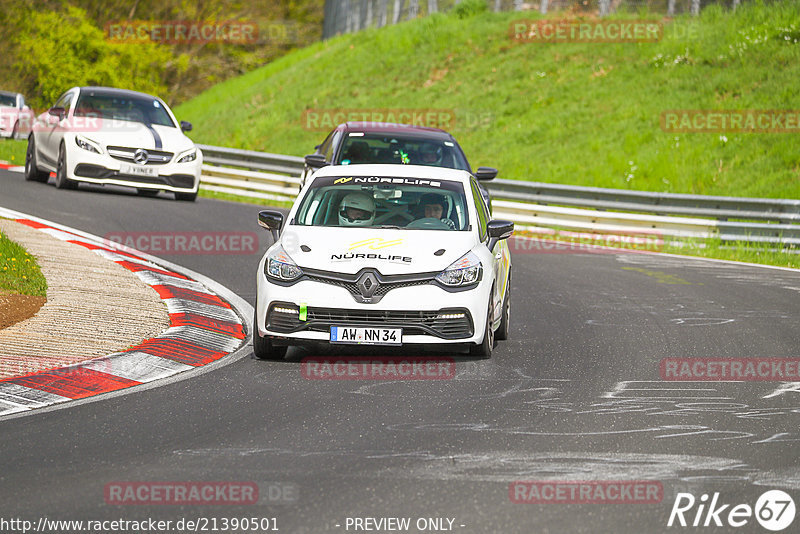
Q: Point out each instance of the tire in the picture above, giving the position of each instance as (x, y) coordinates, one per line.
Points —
(484, 350)
(262, 346)
(186, 197)
(32, 172)
(148, 192)
(62, 182)
(15, 131)
(502, 332)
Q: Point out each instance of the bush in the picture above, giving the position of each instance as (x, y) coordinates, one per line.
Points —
(470, 8)
(59, 50)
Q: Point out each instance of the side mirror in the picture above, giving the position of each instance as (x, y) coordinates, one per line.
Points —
(316, 161)
(57, 112)
(186, 126)
(486, 173)
(272, 221)
(498, 229)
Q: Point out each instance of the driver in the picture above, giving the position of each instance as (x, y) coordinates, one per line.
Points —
(435, 207)
(430, 154)
(357, 209)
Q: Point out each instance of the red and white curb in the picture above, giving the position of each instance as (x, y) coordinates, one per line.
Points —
(12, 168)
(204, 328)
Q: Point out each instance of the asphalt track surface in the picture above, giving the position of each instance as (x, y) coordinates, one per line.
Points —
(574, 394)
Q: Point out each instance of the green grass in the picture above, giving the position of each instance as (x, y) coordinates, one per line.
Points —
(19, 272)
(577, 113)
(244, 199)
(738, 251)
(13, 151)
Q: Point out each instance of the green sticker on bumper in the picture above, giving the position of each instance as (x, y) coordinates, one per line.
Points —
(303, 312)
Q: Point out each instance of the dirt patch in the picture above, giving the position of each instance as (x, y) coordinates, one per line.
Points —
(15, 308)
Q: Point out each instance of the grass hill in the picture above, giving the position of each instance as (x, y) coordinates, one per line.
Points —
(573, 113)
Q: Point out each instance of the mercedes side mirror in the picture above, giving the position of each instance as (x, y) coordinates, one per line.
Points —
(186, 126)
(57, 112)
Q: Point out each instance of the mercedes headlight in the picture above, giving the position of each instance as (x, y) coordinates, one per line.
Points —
(280, 266)
(87, 144)
(191, 156)
(464, 271)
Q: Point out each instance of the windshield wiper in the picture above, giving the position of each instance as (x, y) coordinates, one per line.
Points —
(393, 226)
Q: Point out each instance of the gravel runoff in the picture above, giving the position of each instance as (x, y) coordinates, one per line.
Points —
(94, 308)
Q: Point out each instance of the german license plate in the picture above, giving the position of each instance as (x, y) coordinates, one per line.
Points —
(366, 336)
(138, 170)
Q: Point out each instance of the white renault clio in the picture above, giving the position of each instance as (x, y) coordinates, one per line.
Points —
(103, 135)
(384, 255)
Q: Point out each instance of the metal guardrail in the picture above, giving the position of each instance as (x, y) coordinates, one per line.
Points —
(534, 204)
(250, 159)
(722, 208)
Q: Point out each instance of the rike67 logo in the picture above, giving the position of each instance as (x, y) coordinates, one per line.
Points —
(774, 510)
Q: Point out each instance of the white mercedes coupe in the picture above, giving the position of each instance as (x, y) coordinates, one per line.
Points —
(108, 136)
(400, 255)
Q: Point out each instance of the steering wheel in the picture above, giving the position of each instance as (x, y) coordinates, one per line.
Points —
(428, 222)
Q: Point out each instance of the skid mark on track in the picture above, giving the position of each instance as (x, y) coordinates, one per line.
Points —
(677, 471)
(727, 272)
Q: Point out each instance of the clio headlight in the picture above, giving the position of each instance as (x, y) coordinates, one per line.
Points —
(280, 266)
(464, 271)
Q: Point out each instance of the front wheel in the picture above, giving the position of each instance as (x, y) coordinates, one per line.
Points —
(262, 346)
(62, 182)
(484, 350)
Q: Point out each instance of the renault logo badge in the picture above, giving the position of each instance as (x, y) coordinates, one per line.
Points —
(367, 284)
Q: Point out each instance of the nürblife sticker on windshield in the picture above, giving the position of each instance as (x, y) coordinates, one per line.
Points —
(350, 180)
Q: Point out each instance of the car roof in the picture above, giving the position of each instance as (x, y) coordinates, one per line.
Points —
(391, 127)
(8, 93)
(395, 171)
(114, 91)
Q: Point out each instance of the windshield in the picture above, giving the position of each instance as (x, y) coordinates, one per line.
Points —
(146, 110)
(382, 148)
(8, 100)
(384, 202)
